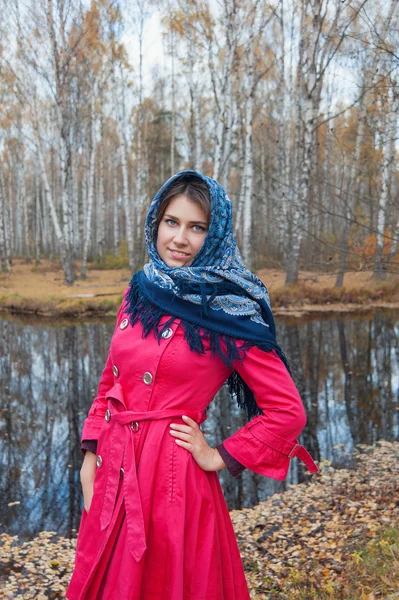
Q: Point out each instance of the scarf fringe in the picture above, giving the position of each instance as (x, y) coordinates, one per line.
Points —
(141, 309)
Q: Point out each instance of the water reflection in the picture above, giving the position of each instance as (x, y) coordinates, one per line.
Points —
(346, 370)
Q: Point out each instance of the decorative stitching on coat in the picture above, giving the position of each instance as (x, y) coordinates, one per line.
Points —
(172, 471)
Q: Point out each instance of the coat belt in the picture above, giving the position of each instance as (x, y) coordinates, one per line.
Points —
(122, 452)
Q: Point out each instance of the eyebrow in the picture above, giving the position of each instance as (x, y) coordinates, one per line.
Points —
(192, 222)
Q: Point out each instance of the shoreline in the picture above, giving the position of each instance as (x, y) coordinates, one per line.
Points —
(39, 291)
(334, 309)
(92, 310)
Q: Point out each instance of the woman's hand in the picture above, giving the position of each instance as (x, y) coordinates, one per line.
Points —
(190, 436)
(87, 475)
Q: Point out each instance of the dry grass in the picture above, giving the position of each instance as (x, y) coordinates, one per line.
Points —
(316, 293)
(374, 567)
(319, 288)
(40, 289)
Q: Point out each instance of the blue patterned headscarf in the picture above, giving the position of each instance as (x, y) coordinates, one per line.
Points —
(216, 293)
(219, 259)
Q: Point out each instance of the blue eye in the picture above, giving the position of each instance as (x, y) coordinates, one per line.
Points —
(172, 222)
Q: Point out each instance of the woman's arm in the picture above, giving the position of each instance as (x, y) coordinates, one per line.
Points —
(87, 474)
(267, 442)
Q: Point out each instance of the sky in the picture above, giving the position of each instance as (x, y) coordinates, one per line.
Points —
(153, 51)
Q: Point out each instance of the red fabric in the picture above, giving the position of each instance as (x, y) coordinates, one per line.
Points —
(233, 466)
(163, 530)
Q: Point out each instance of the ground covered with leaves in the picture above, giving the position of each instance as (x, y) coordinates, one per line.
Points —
(333, 537)
(336, 537)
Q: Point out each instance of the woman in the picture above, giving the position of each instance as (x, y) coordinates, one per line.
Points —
(155, 523)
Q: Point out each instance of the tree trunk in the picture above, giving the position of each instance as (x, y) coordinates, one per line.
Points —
(65, 258)
(101, 198)
(248, 164)
(173, 117)
(222, 96)
(38, 219)
(282, 188)
(75, 204)
(197, 130)
(90, 195)
(121, 121)
(141, 175)
(115, 208)
(5, 263)
(386, 176)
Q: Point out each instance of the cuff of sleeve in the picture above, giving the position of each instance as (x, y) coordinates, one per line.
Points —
(90, 445)
(233, 466)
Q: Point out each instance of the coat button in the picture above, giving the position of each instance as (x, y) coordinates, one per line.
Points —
(167, 333)
(124, 324)
(134, 426)
(99, 461)
(107, 415)
(147, 378)
(115, 370)
(122, 473)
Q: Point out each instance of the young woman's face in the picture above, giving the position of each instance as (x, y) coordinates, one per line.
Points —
(181, 232)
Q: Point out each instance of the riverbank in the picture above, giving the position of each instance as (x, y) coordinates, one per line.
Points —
(39, 290)
(333, 538)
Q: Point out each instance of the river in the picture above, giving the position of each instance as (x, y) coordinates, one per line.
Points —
(346, 369)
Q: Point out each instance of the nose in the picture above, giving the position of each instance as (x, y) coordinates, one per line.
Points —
(180, 237)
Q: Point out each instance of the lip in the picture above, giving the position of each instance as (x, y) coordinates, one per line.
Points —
(178, 256)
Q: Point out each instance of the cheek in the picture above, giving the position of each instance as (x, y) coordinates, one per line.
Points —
(160, 236)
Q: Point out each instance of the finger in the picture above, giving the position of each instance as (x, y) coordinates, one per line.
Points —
(189, 421)
(185, 428)
(182, 436)
(185, 445)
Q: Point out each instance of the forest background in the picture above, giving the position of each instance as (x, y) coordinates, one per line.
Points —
(291, 104)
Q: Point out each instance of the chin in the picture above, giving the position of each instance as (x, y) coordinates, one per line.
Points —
(177, 263)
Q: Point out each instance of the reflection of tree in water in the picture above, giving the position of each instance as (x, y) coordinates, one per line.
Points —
(368, 360)
(9, 464)
(46, 380)
(306, 353)
(346, 371)
(385, 350)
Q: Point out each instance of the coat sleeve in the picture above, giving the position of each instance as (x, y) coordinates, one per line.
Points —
(93, 423)
(267, 442)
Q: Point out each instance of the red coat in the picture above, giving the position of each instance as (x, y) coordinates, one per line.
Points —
(158, 527)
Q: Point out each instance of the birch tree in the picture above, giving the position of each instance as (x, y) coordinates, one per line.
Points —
(5, 263)
(140, 15)
(118, 71)
(90, 194)
(318, 45)
(389, 112)
(253, 95)
(391, 108)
